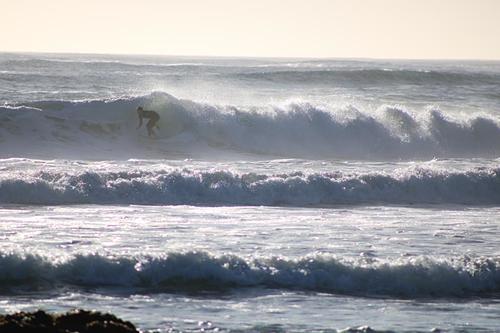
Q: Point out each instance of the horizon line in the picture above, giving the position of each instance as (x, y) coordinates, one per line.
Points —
(246, 56)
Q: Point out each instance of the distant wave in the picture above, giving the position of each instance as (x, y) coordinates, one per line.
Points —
(277, 72)
(409, 277)
(373, 76)
(294, 129)
(185, 187)
(106, 64)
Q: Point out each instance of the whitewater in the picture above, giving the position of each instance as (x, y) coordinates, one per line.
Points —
(278, 195)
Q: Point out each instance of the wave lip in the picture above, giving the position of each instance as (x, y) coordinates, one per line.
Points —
(187, 187)
(411, 277)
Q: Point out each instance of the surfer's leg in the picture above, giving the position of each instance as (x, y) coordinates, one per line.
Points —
(150, 126)
(154, 122)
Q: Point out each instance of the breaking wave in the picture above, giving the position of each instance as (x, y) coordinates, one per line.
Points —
(94, 129)
(414, 185)
(410, 277)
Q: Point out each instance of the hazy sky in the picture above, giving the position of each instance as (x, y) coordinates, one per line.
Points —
(307, 28)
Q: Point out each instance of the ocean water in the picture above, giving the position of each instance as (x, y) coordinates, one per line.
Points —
(278, 195)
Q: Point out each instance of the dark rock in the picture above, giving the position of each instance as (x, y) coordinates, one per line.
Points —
(77, 321)
(109, 327)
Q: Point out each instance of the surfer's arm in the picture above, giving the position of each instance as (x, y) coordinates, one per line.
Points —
(140, 122)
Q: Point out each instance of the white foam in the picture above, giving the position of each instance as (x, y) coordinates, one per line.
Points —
(410, 277)
(413, 185)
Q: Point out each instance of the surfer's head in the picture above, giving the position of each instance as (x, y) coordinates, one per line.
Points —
(140, 109)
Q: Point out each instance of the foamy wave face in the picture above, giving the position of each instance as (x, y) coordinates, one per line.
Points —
(179, 187)
(298, 129)
(412, 277)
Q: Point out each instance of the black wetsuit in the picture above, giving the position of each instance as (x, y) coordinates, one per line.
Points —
(153, 119)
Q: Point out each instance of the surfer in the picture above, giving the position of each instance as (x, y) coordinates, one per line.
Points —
(153, 119)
